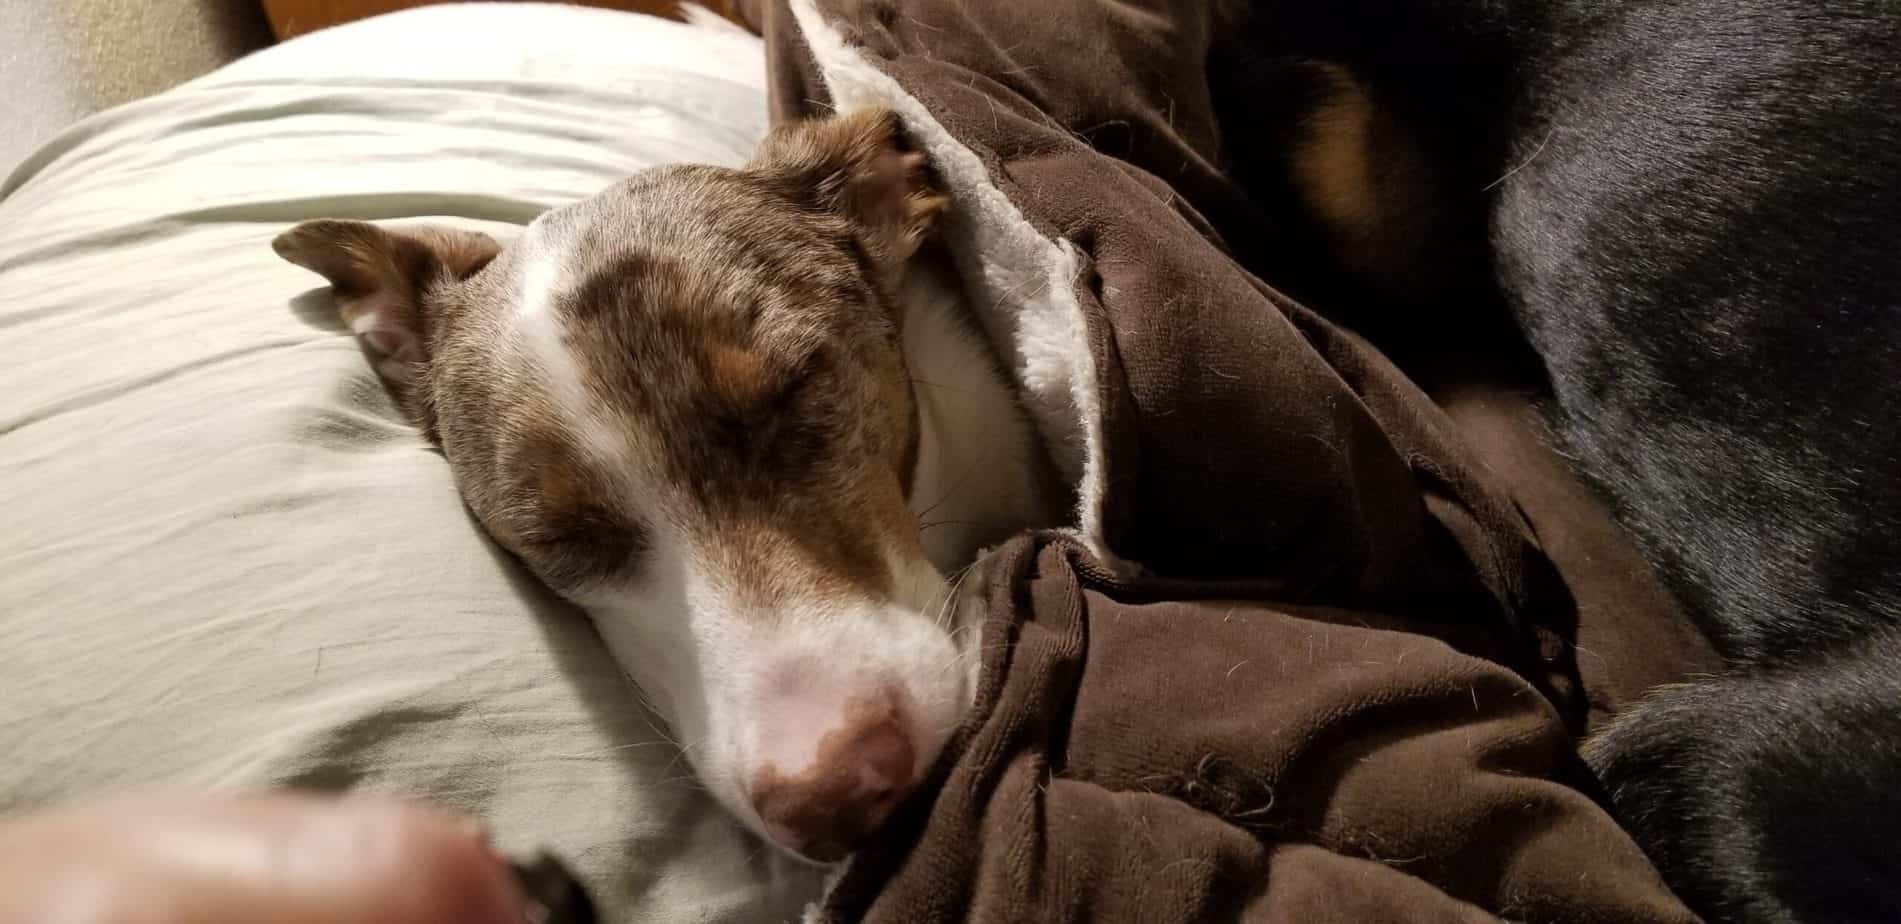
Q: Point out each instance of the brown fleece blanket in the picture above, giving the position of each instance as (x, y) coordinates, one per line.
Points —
(1306, 657)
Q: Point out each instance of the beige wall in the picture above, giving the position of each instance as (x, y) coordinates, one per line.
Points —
(63, 59)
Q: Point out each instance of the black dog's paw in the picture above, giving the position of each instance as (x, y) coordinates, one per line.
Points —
(1769, 798)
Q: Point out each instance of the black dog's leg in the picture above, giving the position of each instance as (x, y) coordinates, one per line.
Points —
(1770, 797)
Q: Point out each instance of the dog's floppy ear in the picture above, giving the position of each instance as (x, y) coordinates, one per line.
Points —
(862, 166)
(380, 277)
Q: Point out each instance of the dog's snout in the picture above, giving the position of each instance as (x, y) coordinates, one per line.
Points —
(860, 774)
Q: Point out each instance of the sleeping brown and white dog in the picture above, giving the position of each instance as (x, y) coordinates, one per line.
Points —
(738, 417)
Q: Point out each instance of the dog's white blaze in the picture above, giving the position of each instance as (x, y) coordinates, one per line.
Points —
(540, 281)
(539, 325)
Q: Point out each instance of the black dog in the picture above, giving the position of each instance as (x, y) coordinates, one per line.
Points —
(1691, 210)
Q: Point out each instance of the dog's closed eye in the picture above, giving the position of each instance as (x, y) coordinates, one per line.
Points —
(582, 544)
(562, 519)
(770, 406)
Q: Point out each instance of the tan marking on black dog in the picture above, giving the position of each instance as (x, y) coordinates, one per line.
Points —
(1364, 179)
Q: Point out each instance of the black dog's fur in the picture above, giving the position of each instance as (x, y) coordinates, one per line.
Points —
(1691, 209)
(1769, 795)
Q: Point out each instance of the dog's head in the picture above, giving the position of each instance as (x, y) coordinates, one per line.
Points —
(683, 404)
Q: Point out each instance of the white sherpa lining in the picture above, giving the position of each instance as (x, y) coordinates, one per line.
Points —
(1020, 284)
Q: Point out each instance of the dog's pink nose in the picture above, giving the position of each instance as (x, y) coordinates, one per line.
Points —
(862, 771)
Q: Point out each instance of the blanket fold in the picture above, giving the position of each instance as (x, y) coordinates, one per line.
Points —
(1141, 756)
(1303, 657)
